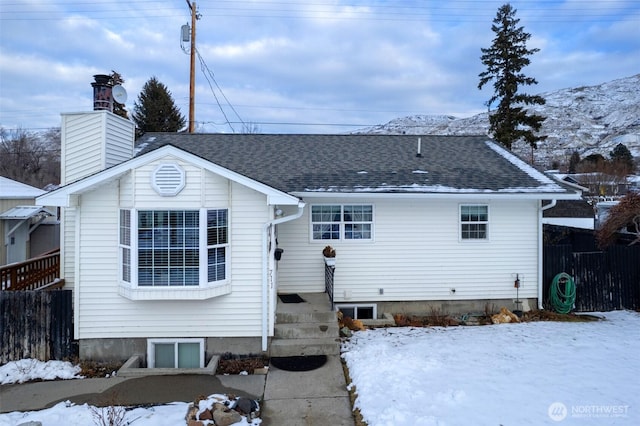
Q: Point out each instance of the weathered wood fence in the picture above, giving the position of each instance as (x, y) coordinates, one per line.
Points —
(36, 324)
(605, 280)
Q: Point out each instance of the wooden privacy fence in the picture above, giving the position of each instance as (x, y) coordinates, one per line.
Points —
(605, 280)
(36, 324)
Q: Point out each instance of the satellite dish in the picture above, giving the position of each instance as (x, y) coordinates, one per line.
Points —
(119, 94)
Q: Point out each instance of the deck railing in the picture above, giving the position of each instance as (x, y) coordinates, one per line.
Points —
(39, 273)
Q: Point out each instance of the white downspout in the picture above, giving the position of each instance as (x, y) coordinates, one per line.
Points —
(265, 270)
(540, 250)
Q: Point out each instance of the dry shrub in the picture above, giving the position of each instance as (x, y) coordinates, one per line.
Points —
(436, 318)
(97, 369)
(235, 364)
(350, 323)
(111, 415)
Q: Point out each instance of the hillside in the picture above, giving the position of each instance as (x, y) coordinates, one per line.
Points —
(589, 120)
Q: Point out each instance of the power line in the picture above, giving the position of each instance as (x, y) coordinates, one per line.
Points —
(458, 11)
(211, 77)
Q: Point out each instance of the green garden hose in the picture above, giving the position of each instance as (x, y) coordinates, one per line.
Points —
(562, 301)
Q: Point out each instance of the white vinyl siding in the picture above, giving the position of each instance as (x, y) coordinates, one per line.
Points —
(418, 255)
(67, 246)
(93, 142)
(103, 313)
(146, 197)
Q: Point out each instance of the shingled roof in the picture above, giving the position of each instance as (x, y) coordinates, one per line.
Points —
(296, 163)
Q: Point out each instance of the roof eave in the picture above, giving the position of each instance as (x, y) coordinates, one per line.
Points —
(443, 195)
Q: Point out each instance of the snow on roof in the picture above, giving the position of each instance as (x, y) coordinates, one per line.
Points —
(24, 212)
(12, 189)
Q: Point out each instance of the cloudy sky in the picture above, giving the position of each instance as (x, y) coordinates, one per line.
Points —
(314, 66)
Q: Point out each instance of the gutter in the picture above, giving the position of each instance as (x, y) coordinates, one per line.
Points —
(265, 269)
(540, 249)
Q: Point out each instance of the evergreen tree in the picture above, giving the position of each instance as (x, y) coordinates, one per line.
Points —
(622, 159)
(574, 161)
(155, 110)
(118, 109)
(504, 61)
(592, 163)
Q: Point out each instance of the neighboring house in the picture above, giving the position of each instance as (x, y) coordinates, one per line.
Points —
(599, 184)
(176, 241)
(572, 213)
(21, 223)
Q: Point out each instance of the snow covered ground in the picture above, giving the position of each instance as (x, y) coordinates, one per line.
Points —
(511, 374)
(535, 373)
(69, 414)
(31, 369)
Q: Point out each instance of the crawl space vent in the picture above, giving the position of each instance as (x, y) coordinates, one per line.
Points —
(168, 179)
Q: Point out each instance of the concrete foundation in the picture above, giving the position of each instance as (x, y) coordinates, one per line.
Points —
(234, 345)
(121, 350)
(112, 350)
(134, 367)
(452, 307)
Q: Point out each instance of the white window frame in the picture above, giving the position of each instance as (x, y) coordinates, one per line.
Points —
(355, 307)
(342, 223)
(461, 223)
(204, 289)
(124, 246)
(151, 353)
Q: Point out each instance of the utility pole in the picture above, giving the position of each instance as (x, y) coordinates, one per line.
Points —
(192, 76)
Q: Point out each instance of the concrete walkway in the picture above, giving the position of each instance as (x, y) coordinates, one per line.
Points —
(300, 398)
(126, 391)
(288, 398)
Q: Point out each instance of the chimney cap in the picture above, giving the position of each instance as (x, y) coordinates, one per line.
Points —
(102, 79)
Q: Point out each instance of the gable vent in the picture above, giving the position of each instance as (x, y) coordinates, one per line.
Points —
(168, 180)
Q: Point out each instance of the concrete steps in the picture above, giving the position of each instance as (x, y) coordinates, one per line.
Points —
(307, 328)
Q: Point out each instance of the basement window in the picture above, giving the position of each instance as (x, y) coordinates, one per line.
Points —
(172, 353)
(359, 311)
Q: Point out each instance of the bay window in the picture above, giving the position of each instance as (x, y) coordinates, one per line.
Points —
(173, 248)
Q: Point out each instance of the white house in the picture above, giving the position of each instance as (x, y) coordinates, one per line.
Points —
(176, 239)
(21, 230)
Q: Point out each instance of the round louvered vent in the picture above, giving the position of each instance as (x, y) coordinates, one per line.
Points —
(168, 179)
